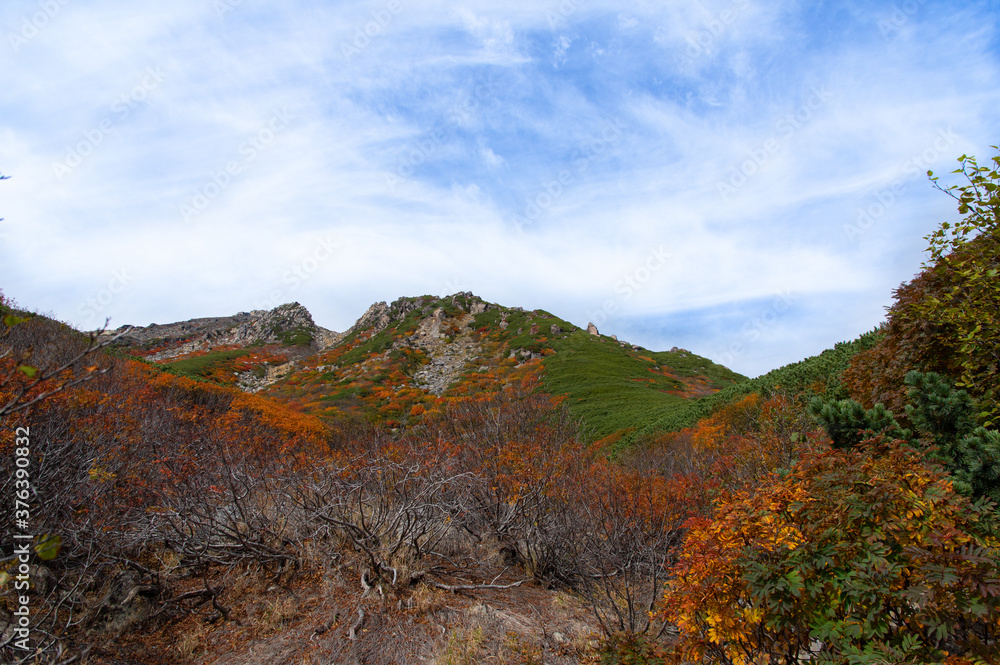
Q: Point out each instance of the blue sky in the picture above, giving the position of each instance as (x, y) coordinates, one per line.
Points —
(736, 177)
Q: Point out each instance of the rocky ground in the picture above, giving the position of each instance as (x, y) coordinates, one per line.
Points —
(242, 329)
(449, 356)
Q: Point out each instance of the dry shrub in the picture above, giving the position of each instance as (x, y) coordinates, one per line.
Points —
(192, 638)
(427, 600)
(464, 647)
(279, 611)
(516, 651)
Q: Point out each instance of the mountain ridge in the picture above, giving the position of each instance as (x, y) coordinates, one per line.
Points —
(399, 358)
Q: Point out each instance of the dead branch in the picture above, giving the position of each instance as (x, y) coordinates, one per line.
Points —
(352, 634)
(454, 588)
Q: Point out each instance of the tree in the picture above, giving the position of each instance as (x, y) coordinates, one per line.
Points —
(865, 555)
(944, 419)
(966, 256)
(947, 319)
(23, 384)
(848, 422)
(944, 429)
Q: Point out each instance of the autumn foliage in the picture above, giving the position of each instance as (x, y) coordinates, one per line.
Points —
(161, 487)
(131, 457)
(945, 319)
(753, 536)
(865, 555)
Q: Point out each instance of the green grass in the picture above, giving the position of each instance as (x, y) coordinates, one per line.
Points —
(297, 336)
(376, 344)
(202, 366)
(348, 393)
(612, 388)
(814, 375)
(687, 364)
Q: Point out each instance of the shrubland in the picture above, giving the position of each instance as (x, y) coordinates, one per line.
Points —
(839, 510)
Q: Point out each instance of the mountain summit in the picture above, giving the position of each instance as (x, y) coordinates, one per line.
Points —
(398, 360)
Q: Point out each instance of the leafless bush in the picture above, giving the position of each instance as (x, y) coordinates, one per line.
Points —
(395, 506)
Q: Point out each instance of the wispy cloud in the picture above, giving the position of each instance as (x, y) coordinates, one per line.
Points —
(746, 137)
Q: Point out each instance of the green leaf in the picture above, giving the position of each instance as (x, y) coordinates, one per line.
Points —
(47, 546)
(10, 320)
(28, 371)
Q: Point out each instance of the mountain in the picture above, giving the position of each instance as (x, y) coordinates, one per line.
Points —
(401, 360)
(258, 489)
(453, 480)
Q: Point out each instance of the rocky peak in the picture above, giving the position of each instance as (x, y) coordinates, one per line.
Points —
(289, 324)
(272, 326)
(380, 316)
(376, 317)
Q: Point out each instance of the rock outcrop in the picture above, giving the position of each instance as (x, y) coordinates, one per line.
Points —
(290, 324)
(449, 356)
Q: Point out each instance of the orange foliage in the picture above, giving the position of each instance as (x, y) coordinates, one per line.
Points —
(852, 549)
(739, 444)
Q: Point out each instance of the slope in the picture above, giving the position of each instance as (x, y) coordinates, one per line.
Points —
(403, 360)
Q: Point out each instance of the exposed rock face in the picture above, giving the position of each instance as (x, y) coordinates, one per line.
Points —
(268, 325)
(524, 355)
(431, 326)
(448, 358)
(277, 326)
(380, 315)
(445, 340)
(251, 382)
(376, 317)
(592, 329)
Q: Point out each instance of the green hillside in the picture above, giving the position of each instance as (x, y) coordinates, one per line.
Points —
(817, 374)
(614, 387)
(376, 370)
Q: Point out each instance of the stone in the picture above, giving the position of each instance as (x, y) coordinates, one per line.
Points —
(592, 329)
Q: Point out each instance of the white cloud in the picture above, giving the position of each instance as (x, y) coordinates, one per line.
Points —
(416, 152)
